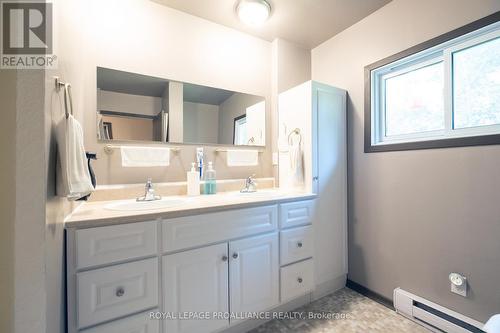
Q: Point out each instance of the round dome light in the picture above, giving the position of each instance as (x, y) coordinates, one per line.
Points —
(253, 12)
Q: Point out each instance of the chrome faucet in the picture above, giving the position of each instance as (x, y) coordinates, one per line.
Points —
(149, 192)
(250, 185)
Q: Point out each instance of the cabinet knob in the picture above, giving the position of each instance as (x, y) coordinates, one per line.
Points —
(299, 280)
(224, 258)
(315, 178)
(235, 255)
(299, 244)
(120, 291)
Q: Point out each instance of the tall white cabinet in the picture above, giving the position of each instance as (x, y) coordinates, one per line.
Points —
(318, 112)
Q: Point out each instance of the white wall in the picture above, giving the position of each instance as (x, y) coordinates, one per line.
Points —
(144, 37)
(416, 216)
(201, 123)
(70, 47)
(291, 66)
(119, 102)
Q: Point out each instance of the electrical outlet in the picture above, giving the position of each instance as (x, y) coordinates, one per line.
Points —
(458, 284)
(275, 158)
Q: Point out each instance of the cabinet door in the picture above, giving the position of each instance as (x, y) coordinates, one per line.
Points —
(196, 282)
(254, 273)
(330, 166)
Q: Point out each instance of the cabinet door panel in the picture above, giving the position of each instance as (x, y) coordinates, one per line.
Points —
(297, 213)
(254, 273)
(196, 281)
(330, 218)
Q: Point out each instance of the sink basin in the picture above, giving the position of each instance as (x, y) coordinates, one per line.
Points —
(131, 205)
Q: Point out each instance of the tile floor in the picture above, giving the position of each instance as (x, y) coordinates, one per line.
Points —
(354, 312)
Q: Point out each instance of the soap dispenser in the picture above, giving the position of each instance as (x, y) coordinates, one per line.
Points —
(193, 181)
(210, 180)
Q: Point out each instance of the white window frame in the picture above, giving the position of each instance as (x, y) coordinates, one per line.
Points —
(441, 53)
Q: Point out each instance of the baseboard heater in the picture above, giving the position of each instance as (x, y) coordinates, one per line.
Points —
(433, 316)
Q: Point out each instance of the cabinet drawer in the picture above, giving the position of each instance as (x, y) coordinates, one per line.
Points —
(297, 279)
(140, 323)
(111, 292)
(293, 214)
(104, 245)
(191, 231)
(296, 244)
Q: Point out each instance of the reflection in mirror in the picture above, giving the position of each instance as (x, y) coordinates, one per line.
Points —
(144, 108)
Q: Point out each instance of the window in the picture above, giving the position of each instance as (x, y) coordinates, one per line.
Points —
(442, 93)
(240, 130)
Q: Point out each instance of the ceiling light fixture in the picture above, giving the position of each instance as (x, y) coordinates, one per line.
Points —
(253, 12)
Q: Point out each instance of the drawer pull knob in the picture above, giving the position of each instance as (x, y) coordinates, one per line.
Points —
(224, 258)
(235, 255)
(299, 280)
(120, 292)
(299, 244)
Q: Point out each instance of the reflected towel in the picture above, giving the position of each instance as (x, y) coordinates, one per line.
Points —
(296, 164)
(242, 158)
(145, 156)
(73, 177)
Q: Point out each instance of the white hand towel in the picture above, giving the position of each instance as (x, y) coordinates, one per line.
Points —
(242, 158)
(296, 164)
(145, 156)
(493, 324)
(73, 178)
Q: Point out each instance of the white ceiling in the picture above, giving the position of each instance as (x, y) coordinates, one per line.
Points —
(304, 22)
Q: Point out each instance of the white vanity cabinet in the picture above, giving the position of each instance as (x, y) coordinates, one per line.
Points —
(221, 264)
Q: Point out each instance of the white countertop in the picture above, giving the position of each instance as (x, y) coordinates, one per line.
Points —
(95, 214)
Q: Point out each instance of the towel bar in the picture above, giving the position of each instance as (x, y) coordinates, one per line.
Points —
(67, 95)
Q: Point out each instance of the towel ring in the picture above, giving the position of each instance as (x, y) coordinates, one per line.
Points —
(296, 132)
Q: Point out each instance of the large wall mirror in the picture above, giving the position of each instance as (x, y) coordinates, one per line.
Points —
(143, 108)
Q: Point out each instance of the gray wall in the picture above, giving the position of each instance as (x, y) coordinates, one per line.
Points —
(22, 232)
(8, 82)
(416, 216)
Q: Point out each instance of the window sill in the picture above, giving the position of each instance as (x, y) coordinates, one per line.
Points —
(482, 140)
